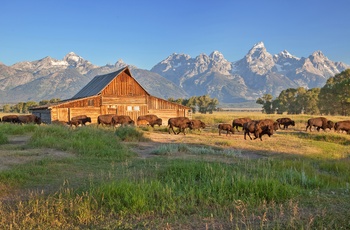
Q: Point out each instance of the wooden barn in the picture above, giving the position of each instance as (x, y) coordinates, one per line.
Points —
(114, 93)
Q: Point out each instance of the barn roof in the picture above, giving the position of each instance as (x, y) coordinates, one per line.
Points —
(98, 83)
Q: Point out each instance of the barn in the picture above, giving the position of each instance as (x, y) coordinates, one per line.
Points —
(113, 93)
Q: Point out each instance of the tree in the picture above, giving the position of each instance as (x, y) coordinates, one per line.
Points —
(311, 101)
(286, 100)
(212, 105)
(28, 105)
(334, 97)
(6, 108)
(203, 104)
(192, 102)
(18, 108)
(266, 102)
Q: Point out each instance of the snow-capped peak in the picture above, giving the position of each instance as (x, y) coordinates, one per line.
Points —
(259, 45)
(72, 57)
(285, 54)
(216, 56)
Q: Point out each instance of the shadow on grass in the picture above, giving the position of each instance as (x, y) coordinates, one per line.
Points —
(326, 137)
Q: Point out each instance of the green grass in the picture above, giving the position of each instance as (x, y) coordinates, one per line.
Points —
(101, 185)
(3, 138)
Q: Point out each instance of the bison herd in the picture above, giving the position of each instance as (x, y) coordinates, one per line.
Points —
(256, 127)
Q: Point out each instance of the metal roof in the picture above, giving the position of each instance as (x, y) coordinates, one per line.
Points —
(97, 84)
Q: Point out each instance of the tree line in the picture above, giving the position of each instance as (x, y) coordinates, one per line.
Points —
(332, 99)
(23, 107)
(202, 104)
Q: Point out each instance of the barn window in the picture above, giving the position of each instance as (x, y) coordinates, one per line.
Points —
(91, 102)
(137, 108)
(129, 108)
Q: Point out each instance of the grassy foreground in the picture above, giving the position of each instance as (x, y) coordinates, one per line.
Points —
(297, 180)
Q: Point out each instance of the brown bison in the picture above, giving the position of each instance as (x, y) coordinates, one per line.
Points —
(319, 123)
(180, 122)
(152, 119)
(286, 121)
(198, 124)
(249, 127)
(342, 126)
(26, 119)
(273, 124)
(259, 128)
(105, 119)
(10, 118)
(239, 122)
(82, 118)
(122, 120)
(76, 123)
(158, 122)
(226, 127)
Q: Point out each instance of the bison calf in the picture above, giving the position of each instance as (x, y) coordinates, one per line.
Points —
(226, 127)
(142, 123)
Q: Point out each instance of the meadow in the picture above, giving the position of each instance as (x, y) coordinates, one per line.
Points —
(142, 178)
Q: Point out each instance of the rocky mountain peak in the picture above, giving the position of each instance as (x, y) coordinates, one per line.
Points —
(318, 56)
(259, 60)
(217, 56)
(73, 59)
(285, 54)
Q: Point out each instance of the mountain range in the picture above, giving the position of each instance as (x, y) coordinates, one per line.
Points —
(177, 76)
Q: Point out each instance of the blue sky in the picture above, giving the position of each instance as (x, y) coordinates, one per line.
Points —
(143, 33)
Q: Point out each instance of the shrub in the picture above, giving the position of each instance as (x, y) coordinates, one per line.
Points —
(129, 133)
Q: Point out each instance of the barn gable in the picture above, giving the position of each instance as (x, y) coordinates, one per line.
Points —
(114, 93)
(100, 83)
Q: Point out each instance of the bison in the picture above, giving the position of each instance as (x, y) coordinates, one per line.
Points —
(259, 128)
(76, 123)
(273, 124)
(249, 127)
(198, 124)
(286, 121)
(105, 119)
(239, 122)
(226, 127)
(180, 122)
(10, 118)
(152, 119)
(342, 126)
(82, 118)
(158, 122)
(26, 119)
(122, 120)
(319, 123)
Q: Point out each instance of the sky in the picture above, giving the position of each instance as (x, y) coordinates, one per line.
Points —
(143, 33)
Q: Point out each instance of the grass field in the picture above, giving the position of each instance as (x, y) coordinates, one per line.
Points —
(139, 178)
